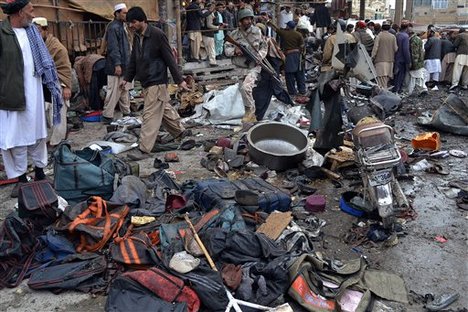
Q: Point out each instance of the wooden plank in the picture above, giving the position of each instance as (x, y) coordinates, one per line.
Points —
(216, 76)
(275, 224)
(214, 69)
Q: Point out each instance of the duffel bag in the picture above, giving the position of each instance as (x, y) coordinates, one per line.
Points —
(17, 249)
(83, 173)
(220, 193)
(167, 287)
(78, 272)
(134, 249)
(125, 295)
(98, 222)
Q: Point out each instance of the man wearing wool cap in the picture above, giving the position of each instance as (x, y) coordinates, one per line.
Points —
(117, 58)
(25, 64)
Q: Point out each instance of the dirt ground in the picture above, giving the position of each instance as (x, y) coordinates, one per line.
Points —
(426, 265)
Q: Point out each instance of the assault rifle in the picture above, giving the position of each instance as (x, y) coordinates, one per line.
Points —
(252, 57)
(266, 66)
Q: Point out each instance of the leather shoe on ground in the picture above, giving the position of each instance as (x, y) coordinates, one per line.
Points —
(15, 190)
(106, 120)
(137, 155)
(184, 134)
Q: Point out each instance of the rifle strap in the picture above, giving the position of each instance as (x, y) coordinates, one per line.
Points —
(248, 41)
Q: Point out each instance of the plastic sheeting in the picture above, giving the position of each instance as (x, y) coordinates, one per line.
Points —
(452, 116)
(105, 8)
(220, 107)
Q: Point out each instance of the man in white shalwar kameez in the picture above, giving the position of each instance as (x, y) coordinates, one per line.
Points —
(22, 116)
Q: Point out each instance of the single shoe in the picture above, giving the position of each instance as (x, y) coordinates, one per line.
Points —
(465, 87)
(171, 157)
(184, 134)
(131, 114)
(442, 301)
(187, 145)
(214, 65)
(15, 190)
(452, 88)
(106, 120)
(137, 155)
(435, 88)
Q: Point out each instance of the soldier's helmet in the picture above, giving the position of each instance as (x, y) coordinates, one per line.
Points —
(245, 13)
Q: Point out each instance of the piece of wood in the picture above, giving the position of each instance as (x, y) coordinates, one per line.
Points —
(275, 224)
(331, 174)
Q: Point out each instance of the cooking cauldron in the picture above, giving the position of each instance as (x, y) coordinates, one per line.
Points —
(276, 145)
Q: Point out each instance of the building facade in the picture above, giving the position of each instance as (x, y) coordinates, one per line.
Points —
(375, 9)
(438, 12)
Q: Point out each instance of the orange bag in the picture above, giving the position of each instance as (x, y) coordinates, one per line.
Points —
(96, 224)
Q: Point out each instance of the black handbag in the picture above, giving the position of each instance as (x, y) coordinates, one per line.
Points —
(38, 202)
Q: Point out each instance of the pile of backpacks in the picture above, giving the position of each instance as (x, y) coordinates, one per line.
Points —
(165, 246)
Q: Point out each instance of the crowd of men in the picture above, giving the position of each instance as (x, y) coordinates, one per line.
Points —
(403, 57)
(35, 71)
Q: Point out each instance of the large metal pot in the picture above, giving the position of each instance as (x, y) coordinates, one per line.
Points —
(276, 145)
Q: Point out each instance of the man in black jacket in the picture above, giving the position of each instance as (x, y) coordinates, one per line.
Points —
(194, 19)
(151, 56)
(118, 53)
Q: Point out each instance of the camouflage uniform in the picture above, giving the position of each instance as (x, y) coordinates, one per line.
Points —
(252, 39)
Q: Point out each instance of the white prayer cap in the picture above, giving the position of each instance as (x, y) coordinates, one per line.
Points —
(119, 6)
(41, 21)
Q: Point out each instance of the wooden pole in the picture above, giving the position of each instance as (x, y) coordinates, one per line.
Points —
(57, 20)
(409, 10)
(362, 9)
(398, 11)
(179, 32)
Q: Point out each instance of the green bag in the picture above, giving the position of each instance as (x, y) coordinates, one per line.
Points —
(83, 173)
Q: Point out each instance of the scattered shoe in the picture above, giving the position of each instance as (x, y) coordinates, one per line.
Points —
(184, 134)
(442, 301)
(436, 168)
(137, 155)
(171, 157)
(159, 164)
(15, 190)
(187, 145)
(106, 120)
(214, 65)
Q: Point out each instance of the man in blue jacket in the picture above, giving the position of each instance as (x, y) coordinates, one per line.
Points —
(402, 58)
(118, 54)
